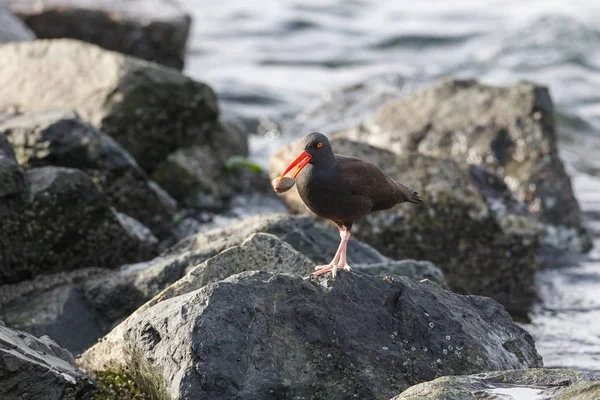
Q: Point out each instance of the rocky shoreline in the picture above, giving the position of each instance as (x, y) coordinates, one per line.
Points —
(110, 158)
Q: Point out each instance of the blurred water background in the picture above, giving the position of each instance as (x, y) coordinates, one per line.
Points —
(273, 59)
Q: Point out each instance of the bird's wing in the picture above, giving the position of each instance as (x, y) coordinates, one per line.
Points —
(365, 179)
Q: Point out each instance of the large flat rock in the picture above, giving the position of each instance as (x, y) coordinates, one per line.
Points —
(154, 30)
(263, 335)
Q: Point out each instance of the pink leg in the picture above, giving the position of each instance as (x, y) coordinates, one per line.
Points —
(343, 264)
(339, 261)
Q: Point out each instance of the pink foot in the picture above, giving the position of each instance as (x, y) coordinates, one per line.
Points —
(339, 261)
(323, 269)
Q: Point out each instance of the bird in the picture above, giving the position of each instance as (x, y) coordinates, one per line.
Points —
(342, 189)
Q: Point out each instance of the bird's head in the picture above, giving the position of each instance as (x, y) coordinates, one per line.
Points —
(316, 150)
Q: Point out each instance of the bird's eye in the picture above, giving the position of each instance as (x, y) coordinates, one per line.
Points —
(319, 145)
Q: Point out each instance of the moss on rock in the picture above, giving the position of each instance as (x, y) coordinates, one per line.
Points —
(137, 380)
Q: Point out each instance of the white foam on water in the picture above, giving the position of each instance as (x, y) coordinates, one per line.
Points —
(517, 393)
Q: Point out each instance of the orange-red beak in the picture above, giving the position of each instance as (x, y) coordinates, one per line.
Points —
(300, 162)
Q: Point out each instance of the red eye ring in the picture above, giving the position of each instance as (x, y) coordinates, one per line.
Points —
(319, 145)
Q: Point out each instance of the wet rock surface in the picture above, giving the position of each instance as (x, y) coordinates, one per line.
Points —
(264, 335)
(33, 368)
(63, 222)
(556, 384)
(508, 131)
(148, 109)
(485, 241)
(61, 138)
(152, 30)
(12, 29)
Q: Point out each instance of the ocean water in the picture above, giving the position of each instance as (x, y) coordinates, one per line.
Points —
(272, 59)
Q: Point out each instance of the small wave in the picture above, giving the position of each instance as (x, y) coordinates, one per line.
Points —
(549, 41)
(330, 63)
(420, 41)
(298, 24)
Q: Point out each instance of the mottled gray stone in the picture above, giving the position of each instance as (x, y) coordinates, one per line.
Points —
(263, 335)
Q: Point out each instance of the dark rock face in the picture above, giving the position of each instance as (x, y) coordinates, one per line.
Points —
(148, 109)
(12, 29)
(558, 384)
(200, 176)
(155, 31)
(63, 222)
(62, 313)
(33, 368)
(485, 241)
(61, 138)
(508, 131)
(262, 335)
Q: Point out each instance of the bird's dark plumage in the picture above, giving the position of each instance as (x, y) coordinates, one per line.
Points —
(343, 189)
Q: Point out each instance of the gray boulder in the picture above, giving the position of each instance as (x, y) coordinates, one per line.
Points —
(555, 384)
(33, 368)
(263, 335)
(152, 30)
(266, 252)
(12, 29)
(508, 131)
(66, 223)
(148, 109)
(61, 138)
(102, 298)
(485, 241)
(260, 252)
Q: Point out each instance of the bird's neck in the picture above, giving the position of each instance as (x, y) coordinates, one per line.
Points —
(324, 161)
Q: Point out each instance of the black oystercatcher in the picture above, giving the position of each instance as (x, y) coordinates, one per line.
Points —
(341, 189)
